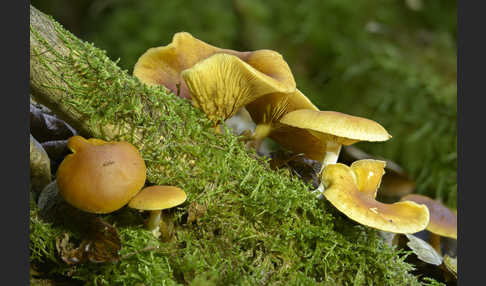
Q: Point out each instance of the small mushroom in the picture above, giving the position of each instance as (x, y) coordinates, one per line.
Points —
(100, 177)
(352, 190)
(266, 112)
(221, 84)
(155, 199)
(443, 222)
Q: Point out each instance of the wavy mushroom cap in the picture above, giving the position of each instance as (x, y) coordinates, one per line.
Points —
(352, 190)
(158, 198)
(335, 126)
(395, 182)
(100, 176)
(443, 221)
(164, 65)
(221, 84)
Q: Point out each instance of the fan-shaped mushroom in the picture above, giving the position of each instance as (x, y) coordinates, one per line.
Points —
(352, 190)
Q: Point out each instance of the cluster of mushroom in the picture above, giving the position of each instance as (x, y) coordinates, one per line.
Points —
(101, 177)
(221, 82)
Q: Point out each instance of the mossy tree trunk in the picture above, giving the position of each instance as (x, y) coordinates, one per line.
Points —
(258, 227)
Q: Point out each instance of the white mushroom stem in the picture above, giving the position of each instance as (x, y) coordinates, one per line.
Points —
(332, 153)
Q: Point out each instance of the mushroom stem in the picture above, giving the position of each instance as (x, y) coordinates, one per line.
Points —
(332, 153)
(154, 220)
(217, 129)
(318, 192)
(435, 242)
(261, 132)
(164, 228)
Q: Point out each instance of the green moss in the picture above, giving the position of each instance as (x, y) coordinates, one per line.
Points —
(260, 227)
(42, 246)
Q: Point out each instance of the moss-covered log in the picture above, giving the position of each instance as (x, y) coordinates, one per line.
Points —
(254, 226)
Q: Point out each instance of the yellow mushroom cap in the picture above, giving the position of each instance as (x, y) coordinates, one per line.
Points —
(336, 126)
(100, 176)
(395, 181)
(158, 198)
(442, 220)
(221, 84)
(352, 190)
(163, 65)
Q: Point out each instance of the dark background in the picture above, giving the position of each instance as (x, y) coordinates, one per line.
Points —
(391, 61)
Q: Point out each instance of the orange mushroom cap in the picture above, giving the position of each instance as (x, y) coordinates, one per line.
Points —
(352, 190)
(100, 176)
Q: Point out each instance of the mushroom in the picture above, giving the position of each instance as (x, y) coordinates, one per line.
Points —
(100, 177)
(443, 222)
(155, 199)
(221, 84)
(352, 190)
(336, 129)
(266, 112)
(163, 65)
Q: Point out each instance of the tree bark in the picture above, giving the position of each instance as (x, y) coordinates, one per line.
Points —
(64, 71)
(42, 84)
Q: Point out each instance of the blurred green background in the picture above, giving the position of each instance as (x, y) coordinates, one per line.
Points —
(391, 61)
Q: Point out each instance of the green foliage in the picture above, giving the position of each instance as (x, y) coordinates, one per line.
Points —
(260, 227)
(154, 30)
(42, 247)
